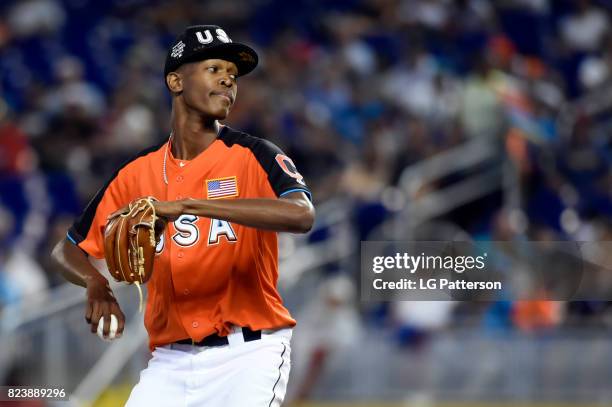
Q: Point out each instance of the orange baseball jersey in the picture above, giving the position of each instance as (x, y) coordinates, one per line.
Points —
(208, 274)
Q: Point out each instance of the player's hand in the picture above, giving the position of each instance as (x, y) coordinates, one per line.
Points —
(101, 302)
(118, 212)
(169, 210)
(124, 210)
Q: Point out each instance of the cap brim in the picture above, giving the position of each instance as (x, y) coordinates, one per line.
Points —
(242, 55)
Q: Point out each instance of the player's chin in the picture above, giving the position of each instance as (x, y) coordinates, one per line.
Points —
(220, 112)
(214, 112)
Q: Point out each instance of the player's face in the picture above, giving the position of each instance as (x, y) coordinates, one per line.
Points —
(210, 87)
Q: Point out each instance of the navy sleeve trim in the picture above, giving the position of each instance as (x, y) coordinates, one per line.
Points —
(71, 238)
(307, 192)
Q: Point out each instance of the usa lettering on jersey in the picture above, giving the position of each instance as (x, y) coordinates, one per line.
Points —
(188, 233)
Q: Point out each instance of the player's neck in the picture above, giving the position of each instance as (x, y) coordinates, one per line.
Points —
(190, 138)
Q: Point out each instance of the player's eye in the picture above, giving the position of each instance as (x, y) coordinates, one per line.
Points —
(233, 77)
(213, 69)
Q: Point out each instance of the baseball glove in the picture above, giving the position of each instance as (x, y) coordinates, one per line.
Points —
(130, 238)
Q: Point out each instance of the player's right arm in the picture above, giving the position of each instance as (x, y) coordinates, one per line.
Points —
(77, 269)
(84, 239)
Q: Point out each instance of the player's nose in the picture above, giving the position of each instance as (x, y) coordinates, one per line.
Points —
(225, 80)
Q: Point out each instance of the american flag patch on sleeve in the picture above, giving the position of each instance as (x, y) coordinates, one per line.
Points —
(221, 188)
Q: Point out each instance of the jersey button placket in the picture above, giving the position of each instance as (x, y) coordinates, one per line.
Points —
(180, 254)
(179, 179)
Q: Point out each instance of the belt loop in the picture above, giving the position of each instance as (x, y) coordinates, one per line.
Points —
(235, 336)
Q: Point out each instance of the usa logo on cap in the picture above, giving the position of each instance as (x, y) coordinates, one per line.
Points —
(207, 38)
(200, 42)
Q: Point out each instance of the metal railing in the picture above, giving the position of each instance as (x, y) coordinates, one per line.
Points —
(473, 365)
(591, 104)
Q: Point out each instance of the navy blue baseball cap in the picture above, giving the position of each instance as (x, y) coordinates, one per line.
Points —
(200, 42)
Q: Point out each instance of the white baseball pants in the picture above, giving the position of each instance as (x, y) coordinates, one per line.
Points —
(241, 374)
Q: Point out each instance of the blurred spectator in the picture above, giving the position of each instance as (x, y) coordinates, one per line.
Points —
(593, 72)
(32, 17)
(9, 292)
(417, 320)
(537, 315)
(21, 278)
(73, 93)
(411, 83)
(584, 29)
(329, 330)
(585, 165)
(130, 123)
(16, 156)
(481, 114)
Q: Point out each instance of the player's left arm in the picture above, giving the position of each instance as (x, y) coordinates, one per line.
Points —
(291, 213)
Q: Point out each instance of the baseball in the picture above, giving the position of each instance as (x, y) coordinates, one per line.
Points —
(114, 324)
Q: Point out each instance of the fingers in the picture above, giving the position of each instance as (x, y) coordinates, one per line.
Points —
(160, 225)
(95, 316)
(88, 311)
(97, 310)
(118, 212)
(120, 319)
(107, 321)
(101, 302)
(126, 209)
(168, 211)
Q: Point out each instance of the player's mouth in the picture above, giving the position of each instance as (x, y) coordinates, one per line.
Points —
(225, 95)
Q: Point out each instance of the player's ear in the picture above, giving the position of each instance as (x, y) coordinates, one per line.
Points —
(174, 82)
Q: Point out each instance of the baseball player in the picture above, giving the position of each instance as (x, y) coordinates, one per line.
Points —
(218, 330)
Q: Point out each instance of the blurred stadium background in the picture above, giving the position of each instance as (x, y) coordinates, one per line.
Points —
(410, 119)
